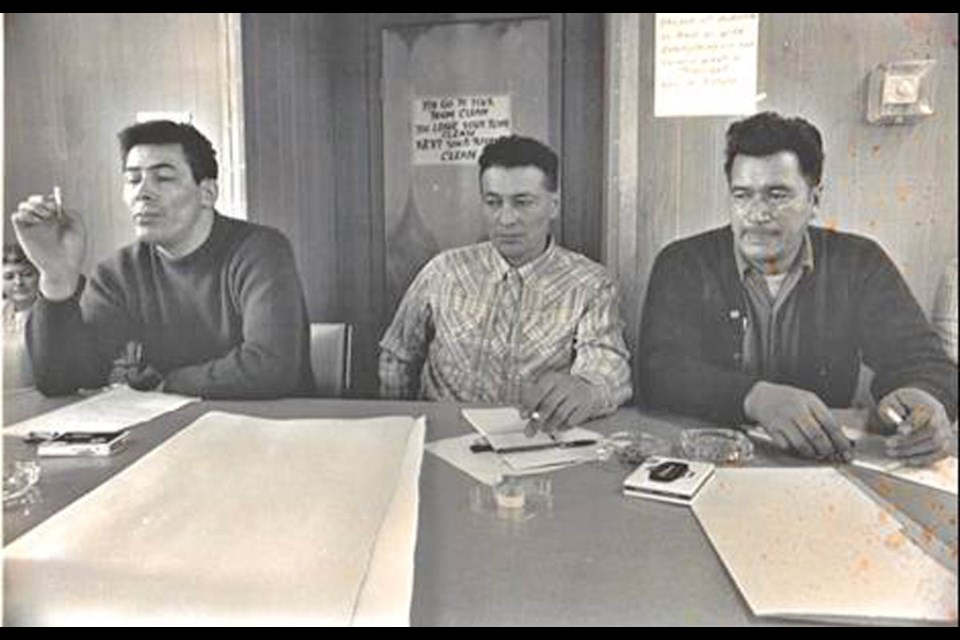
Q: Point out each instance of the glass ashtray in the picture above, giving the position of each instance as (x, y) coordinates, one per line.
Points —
(633, 447)
(18, 479)
(719, 446)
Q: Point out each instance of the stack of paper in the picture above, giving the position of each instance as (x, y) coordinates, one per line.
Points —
(807, 543)
(113, 410)
(235, 520)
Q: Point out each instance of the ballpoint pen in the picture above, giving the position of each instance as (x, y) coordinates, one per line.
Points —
(35, 437)
(481, 446)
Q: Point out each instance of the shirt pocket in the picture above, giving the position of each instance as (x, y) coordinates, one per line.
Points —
(551, 327)
(461, 321)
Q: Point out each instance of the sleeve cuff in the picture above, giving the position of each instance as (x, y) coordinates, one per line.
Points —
(74, 297)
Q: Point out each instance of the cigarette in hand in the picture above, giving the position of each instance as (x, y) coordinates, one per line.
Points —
(895, 417)
(903, 427)
(58, 200)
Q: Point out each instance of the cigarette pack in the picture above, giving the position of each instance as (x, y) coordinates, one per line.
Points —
(83, 444)
(668, 479)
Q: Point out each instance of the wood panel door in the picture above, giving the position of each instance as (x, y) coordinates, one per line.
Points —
(444, 84)
(447, 89)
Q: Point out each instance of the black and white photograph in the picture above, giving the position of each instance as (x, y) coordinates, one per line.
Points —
(479, 319)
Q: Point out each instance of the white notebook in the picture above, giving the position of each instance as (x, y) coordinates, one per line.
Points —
(503, 428)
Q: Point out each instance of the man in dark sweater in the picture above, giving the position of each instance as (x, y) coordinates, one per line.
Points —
(213, 305)
(766, 320)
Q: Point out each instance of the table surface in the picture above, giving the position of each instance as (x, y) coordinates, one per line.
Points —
(593, 557)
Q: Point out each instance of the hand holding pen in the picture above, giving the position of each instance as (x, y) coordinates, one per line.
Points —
(797, 420)
(133, 369)
(918, 426)
(556, 402)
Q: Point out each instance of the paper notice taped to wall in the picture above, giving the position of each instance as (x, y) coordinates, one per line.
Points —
(452, 130)
(706, 64)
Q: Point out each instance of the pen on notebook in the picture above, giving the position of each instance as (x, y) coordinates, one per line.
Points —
(482, 446)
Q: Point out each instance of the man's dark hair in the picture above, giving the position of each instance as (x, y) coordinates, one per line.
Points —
(516, 151)
(768, 133)
(198, 150)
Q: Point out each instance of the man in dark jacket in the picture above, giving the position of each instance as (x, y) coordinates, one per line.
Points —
(766, 320)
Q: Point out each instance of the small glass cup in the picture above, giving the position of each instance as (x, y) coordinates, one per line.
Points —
(719, 446)
(515, 499)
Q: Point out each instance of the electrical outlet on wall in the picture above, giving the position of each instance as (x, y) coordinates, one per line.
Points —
(900, 92)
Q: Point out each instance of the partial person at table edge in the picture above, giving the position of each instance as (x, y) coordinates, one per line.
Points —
(214, 304)
(764, 321)
(517, 319)
(944, 316)
(20, 287)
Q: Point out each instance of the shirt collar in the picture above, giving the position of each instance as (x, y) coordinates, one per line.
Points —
(804, 259)
(501, 267)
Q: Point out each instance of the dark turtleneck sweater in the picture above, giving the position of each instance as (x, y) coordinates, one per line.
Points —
(226, 321)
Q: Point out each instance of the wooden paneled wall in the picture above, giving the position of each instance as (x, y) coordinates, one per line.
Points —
(72, 81)
(308, 157)
(896, 184)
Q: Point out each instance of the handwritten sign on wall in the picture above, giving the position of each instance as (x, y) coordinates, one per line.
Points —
(706, 64)
(452, 130)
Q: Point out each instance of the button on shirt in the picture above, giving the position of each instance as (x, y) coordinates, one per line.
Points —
(472, 328)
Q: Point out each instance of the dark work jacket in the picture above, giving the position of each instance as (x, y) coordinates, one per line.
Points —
(854, 305)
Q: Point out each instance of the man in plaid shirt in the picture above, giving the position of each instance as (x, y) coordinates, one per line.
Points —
(517, 319)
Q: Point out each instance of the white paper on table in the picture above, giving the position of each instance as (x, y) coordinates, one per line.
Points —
(503, 428)
(235, 520)
(870, 453)
(807, 543)
(941, 475)
(387, 591)
(486, 467)
(113, 410)
(553, 458)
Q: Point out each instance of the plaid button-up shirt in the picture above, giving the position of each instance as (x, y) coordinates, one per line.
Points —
(444, 342)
